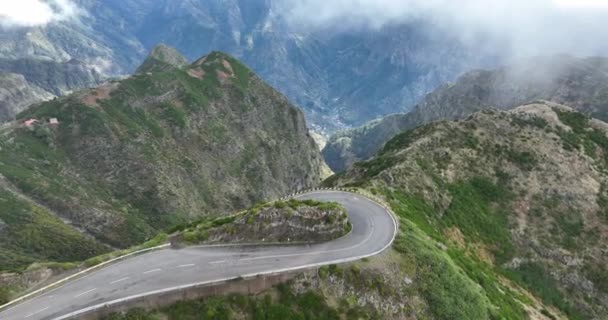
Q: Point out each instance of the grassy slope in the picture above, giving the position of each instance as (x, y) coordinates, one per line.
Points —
(151, 155)
(282, 304)
(32, 234)
(473, 210)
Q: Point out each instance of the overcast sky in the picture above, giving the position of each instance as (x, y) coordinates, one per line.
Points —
(526, 26)
(35, 12)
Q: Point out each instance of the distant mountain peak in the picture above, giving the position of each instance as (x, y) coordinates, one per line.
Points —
(162, 58)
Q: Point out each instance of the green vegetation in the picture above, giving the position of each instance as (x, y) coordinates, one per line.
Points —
(525, 159)
(405, 139)
(582, 135)
(175, 115)
(506, 303)
(448, 292)
(484, 191)
(376, 166)
(597, 275)
(295, 204)
(156, 241)
(242, 73)
(443, 284)
(532, 120)
(4, 295)
(32, 234)
(198, 231)
(352, 275)
(602, 201)
(535, 278)
(146, 154)
(575, 120)
(475, 210)
(309, 305)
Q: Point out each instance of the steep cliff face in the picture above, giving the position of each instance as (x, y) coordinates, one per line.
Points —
(28, 81)
(580, 83)
(132, 157)
(58, 78)
(518, 195)
(16, 94)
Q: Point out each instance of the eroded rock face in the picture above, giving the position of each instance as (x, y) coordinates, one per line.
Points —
(284, 224)
(291, 221)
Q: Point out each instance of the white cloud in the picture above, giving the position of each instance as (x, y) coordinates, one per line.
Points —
(35, 12)
(582, 3)
(526, 26)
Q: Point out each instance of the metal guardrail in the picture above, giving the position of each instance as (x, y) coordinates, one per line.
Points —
(372, 197)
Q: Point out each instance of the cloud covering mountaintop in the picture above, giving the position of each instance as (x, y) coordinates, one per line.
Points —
(35, 12)
(528, 27)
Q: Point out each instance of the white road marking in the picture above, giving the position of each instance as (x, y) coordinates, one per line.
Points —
(119, 280)
(150, 271)
(216, 262)
(80, 294)
(186, 265)
(35, 313)
(372, 225)
(314, 252)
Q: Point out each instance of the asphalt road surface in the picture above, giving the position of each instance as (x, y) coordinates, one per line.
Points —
(373, 231)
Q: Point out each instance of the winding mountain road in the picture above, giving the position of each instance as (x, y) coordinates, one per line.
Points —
(373, 231)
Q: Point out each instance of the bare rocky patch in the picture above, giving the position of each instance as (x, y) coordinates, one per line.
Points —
(100, 93)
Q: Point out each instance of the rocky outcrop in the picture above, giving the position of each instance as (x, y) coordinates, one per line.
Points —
(16, 94)
(162, 58)
(285, 222)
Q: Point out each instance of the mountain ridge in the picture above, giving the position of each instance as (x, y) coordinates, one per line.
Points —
(516, 198)
(580, 83)
(339, 77)
(134, 157)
